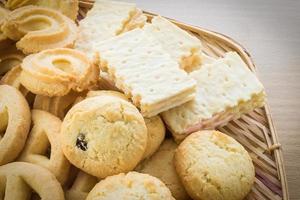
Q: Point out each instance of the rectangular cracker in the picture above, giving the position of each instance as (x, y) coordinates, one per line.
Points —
(226, 89)
(146, 73)
(182, 46)
(105, 20)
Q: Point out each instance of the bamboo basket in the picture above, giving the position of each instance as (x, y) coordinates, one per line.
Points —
(255, 131)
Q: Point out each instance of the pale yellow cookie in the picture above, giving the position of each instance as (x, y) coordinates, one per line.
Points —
(214, 166)
(9, 58)
(80, 186)
(55, 72)
(161, 165)
(39, 28)
(133, 186)
(104, 135)
(18, 180)
(43, 146)
(14, 123)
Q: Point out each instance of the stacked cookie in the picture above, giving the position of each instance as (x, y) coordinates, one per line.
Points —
(83, 107)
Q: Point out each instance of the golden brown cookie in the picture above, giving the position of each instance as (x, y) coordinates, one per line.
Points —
(161, 165)
(9, 58)
(67, 7)
(39, 28)
(55, 72)
(43, 146)
(104, 135)
(18, 180)
(58, 106)
(80, 186)
(14, 123)
(212, 166)
(133, 186)
(3, 39)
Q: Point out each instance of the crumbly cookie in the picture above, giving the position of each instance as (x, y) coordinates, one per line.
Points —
(156, 134)
(58, 106)
(9, 58)
(104, 135)
(161, 165)
(55, 72)
(133, 186)
(18, 180)
(38, 28)
(14, 123)
(80, 187)
(43, 145)
(214, 166)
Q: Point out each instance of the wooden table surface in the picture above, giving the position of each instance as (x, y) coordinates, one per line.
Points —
(270, 31)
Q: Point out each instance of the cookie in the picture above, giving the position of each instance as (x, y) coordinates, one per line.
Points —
(14, 123)
(18, 180)
(156, 134)
(39, 28)
(161, 165)
(80, 186)
(58, 106)
(9, 58)
(3, 13)
(226, 89)
(133, 185)
(55, 72)
(43, 145)
(104, 135)
(106, 83)
(212, 165)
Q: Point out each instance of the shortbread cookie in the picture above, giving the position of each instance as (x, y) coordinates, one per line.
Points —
(133, 186)
(9, 58)
(213, 166)
(43, 146)
(182, 46)
(105, 20)
(58, 106)
(81, 186)
(161, 165)
(3, 14)
(145, 72)
(104, 135)
(226, 89)
(18, 180)
(14, 123)
(38, 28)
(156, 134)
(55, 72)
(67, 7)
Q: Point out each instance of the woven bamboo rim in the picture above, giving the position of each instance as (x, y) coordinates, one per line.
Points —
(255, 131)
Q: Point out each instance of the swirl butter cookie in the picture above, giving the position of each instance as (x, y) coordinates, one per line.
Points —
(38, 28)
(9, 58)
(104, 135)
(212, 165)
(18, 180)
(14, 123)
(43, 145)
(133, 186)
(161, 165)
(55, 72)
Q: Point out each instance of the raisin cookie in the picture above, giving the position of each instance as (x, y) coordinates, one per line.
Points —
(55, 72)
(14, 123)
(104, 135)
(133, 186)
(212, 165)
(38, 28)
(18, 180)
(43, 145)
(161, 165)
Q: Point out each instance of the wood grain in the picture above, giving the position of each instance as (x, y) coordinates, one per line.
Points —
(270, 30)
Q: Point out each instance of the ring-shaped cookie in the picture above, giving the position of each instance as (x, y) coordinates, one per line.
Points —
(39, 28)
(43, 146)
(18, 180)
(55, 72)
(14, 123)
